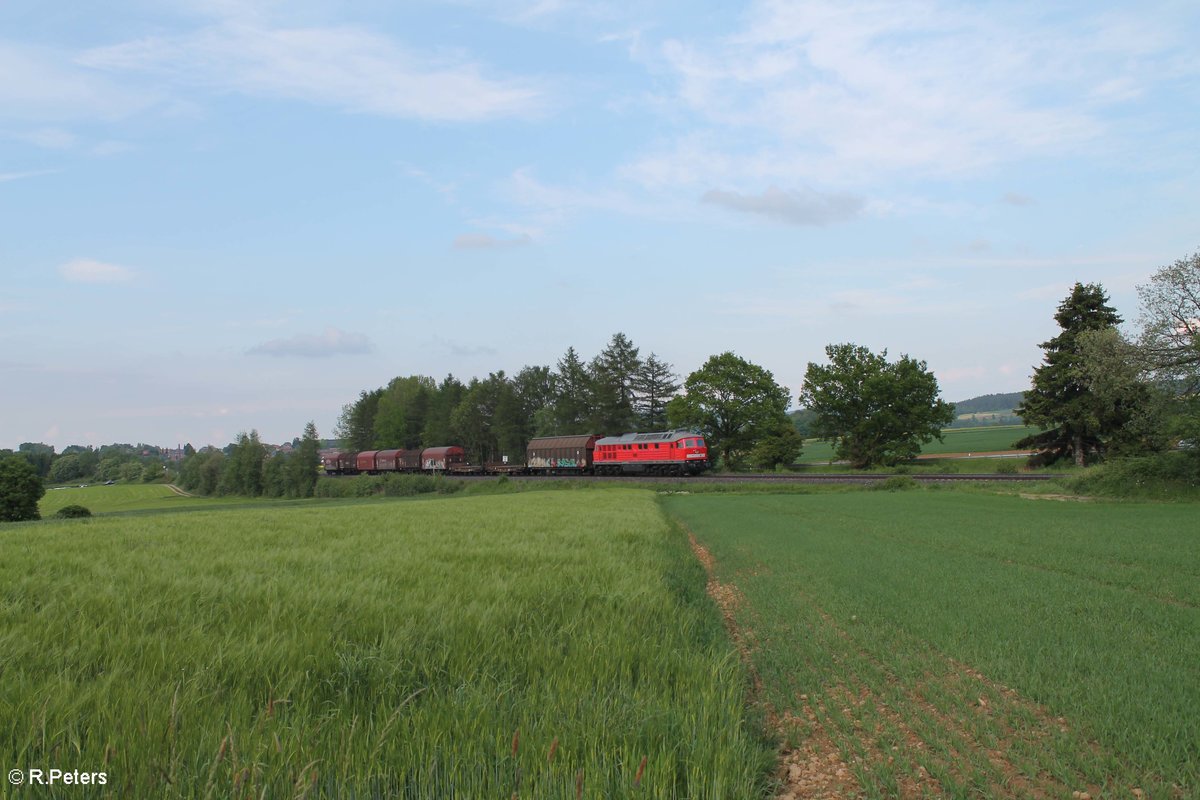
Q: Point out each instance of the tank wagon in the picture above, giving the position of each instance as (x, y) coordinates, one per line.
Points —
(679, 452)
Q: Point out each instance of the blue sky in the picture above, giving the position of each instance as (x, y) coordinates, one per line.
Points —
(220, 215)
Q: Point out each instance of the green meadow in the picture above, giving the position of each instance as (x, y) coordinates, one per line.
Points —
(956, 644)
(121, 497)
(548, 644)
(988, 439)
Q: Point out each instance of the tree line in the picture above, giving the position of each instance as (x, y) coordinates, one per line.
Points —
(737, 405)
(1097, 394)
(616, 391)
(245, 468)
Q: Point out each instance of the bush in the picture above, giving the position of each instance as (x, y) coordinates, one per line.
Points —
(896, 483)
(73, 512)
(1006, 468)
(1166, 476)
(20, 490)
(386, 485)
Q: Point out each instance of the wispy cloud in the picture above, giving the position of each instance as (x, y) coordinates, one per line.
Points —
(47, 85)
(88, 270)
(484, 241)
(804, 207)
(345, 67)
(5, 177)
(843, 92)
(1016, 199)
(464, 350)
(332, 342)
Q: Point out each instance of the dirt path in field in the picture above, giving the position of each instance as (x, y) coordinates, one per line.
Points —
(179, 491)
(812, 768)
(952, 724)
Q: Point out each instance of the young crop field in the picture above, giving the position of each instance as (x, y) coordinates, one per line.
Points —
(947, 644)
(955, 440)
(547, 644)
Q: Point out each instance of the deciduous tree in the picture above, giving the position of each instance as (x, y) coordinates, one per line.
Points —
(20, 490)
(733, 402)
(1170, 321)
(872, 410)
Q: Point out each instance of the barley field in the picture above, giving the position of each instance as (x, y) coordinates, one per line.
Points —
(553, 644)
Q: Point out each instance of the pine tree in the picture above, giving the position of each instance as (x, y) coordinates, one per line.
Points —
(654, 385)
(302, 465)
(572, 404)
(613, 373)
(1060, 400)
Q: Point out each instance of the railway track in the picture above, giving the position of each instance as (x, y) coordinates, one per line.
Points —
(782, 478)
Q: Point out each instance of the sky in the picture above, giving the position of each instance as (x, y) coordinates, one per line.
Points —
(224, 215)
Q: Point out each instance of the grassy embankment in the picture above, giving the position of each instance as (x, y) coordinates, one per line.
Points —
(384, 648)
(970, 645)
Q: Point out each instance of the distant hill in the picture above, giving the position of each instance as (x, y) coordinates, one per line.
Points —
(988, 409)
(989, 402)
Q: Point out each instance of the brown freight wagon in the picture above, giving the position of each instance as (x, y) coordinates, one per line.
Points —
(338, 463)
(561, 453)
(440, 459)
(366, 461)
(398, 461)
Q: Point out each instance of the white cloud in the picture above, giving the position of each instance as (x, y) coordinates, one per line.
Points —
(87, 270)
(345, 67)
(804, 207)
(484, 241)
(332, 342)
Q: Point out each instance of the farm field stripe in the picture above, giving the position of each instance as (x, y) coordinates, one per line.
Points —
(933, 598)
(814, 769)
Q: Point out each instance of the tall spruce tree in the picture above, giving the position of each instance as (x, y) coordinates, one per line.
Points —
(614, 373)
(572, 405)
(1060, 401)
(654, 385)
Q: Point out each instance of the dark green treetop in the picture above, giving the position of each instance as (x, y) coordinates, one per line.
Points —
(1060, 400)
(874, 412)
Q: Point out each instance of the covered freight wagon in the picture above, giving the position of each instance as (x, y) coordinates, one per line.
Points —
(366, 461)
(398, 460)
(565, 453)
(338, 463)
(440, 459)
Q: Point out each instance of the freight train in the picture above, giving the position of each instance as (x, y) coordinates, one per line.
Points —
(677, 452)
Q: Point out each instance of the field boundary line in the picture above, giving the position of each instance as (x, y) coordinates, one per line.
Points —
(814, 768)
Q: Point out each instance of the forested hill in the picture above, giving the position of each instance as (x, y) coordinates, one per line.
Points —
(989, 402)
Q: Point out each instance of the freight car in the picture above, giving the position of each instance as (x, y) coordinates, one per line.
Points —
(560, 454)
(662, 453)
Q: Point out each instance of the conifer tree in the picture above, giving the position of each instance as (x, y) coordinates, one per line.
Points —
(1060, 400)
